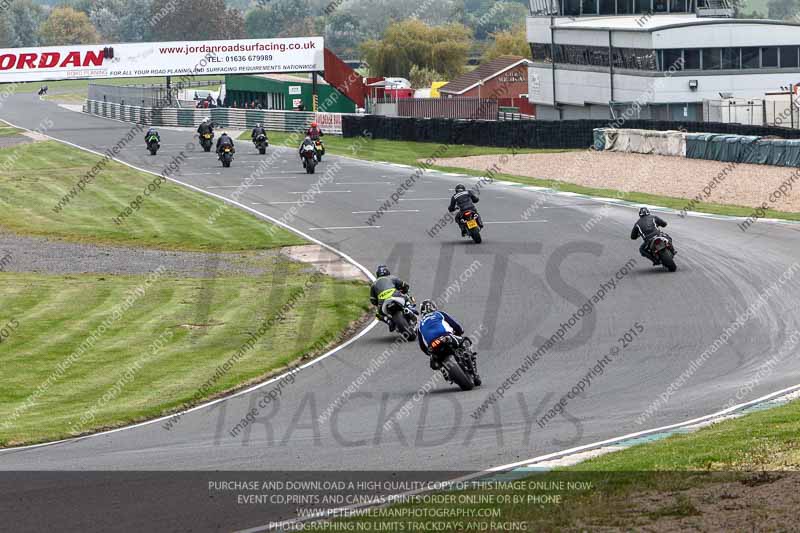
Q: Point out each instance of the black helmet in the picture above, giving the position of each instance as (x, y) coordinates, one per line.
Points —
(382, 271)
(460, 188)
(643, 212)
(427, 306)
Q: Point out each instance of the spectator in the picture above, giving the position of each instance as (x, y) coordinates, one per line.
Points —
(235, 104)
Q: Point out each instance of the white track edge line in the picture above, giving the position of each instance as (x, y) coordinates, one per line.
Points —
(4, 451)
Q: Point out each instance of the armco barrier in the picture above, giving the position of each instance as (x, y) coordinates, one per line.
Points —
(527, 133)
(708, 146)
(224, 116)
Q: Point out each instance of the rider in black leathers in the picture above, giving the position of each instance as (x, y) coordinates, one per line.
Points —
(463, 200)
(385, 282)
(647, 228)
(205, 127)
(258, 130)
(224, 140)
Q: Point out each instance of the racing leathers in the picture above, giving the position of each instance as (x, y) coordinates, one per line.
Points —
(647, 228)
(436, 325)
(464, 201)
(382, 289)
(225, 140)
(258, 131)
(314, 133)
(152, 131)
(205, 127)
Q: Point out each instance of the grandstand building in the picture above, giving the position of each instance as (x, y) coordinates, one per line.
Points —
(653, 59)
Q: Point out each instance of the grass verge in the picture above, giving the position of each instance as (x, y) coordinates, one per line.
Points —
(86, 352)
(171, 217)
(410, 153)
(404, 152)
(728, 471)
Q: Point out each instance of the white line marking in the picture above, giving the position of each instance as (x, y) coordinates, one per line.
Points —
(304, 192)
(417, 199)
(363, 183)
(278, 178)
(391, 211)
(257, 386)
(229, 186)
(514, 221)
(344, 227)
(277, 203)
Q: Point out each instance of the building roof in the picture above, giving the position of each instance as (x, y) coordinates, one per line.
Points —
(652, 23)
(485, 71)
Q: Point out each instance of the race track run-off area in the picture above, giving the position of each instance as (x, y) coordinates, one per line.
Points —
(556, 312)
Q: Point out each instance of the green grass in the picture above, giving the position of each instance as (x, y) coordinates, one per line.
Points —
(34, 86)
(201, 322)
(55, 314)
(665, 478)
(8, 131)
(404, 152)
(410, 153)
(170, 218)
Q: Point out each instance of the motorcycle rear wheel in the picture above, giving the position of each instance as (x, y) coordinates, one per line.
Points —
(458, 376)
(403, 327)
(476, 235)
(668, 261)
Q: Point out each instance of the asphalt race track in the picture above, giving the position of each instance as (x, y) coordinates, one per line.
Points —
(527, 278)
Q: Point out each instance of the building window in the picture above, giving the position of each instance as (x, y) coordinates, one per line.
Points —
(624, 7)
(673, 58)
(571, 7)
(691, 59)
(711, 58)
(607, 7)
(769, 56)
(730, 58)
(541, 53)
(659, 6)
(677, 6)
(750, 57)
(642, 6)
(788, 57)
(589, 7)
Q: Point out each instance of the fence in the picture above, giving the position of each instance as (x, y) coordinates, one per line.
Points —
(155, 95)
(527, 133)
(464, 108)
(224, 116)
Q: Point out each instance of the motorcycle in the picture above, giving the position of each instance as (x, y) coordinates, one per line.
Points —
(663, 252)
(152, 144)
(401, 311)
(205, 141)
(458, 362)
(261, 143)
(472, 222)
(226, 156)
(320, 149)
(309, 158)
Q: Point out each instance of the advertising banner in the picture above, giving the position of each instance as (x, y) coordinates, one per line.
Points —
(246, 56)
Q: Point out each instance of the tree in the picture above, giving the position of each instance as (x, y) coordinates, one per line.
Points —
(196, 20)
(65, 25)
(423, 77)
(781, 9)
(134, 21)
(7, 35)
(443, 49)
(25, 19)
(513, 42)
(343, 34)
(498, 16)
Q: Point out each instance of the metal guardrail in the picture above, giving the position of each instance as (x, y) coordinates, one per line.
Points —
(226, 117)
